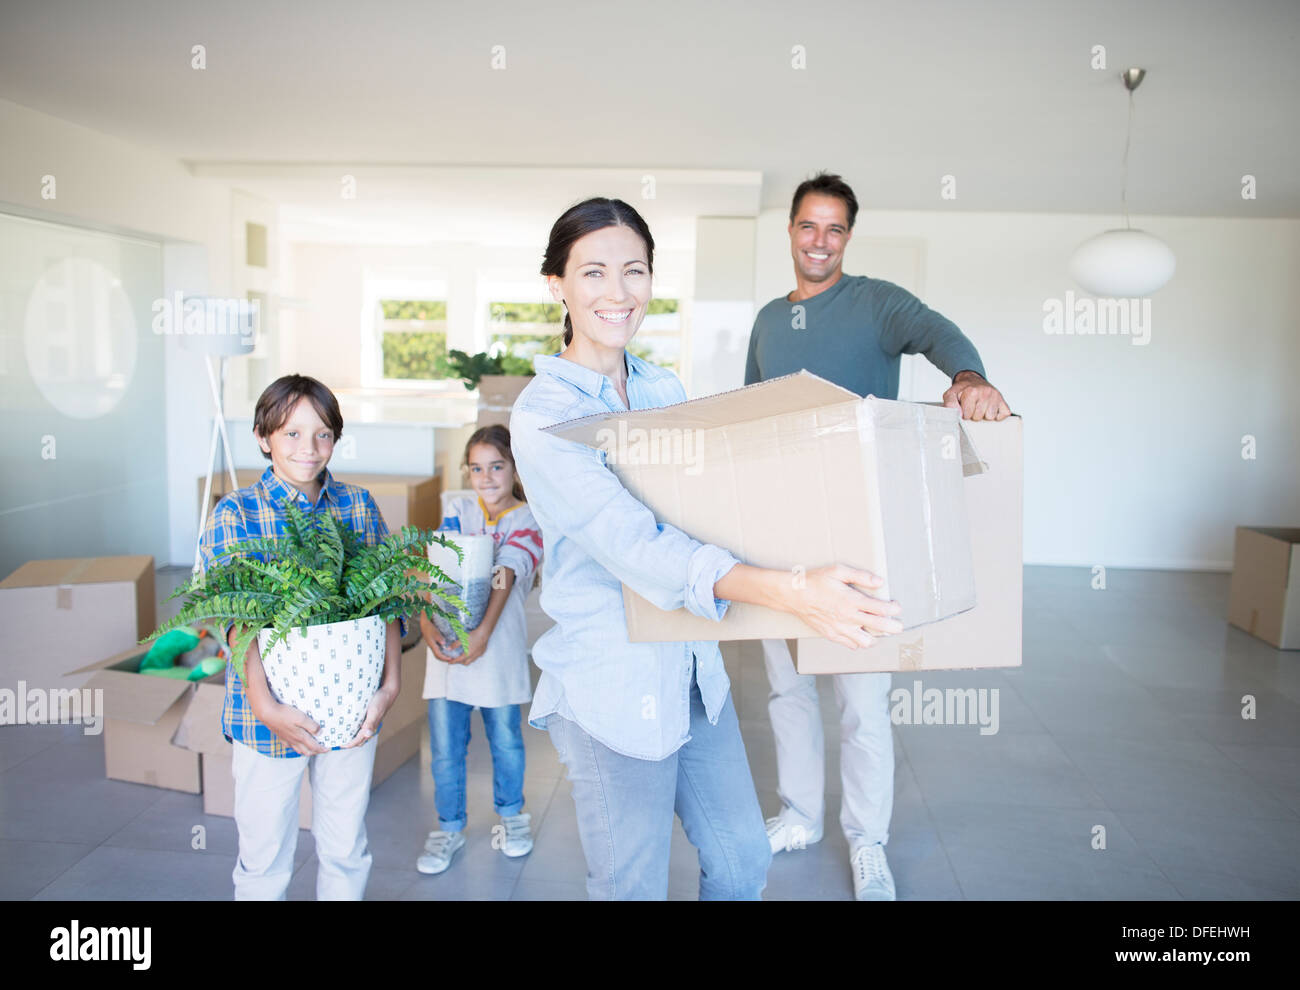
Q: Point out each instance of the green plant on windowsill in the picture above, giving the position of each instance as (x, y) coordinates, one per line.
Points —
(319, 572)
(470, 368)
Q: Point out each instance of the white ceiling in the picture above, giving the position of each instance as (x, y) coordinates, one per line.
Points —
(998, 93)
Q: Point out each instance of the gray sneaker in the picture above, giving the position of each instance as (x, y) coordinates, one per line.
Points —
(439, 848)
(872, 880)
(516, 836)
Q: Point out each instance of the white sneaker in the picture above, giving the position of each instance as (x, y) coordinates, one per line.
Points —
(439, 848)
(872, 880)
(517, 840)
(785, 837)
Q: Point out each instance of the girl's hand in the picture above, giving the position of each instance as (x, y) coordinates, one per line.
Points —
(829, 600)
(379, 704)
(440, 648)
(478, 641)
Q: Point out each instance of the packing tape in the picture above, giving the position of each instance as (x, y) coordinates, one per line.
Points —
(63, 596)
(911, 655)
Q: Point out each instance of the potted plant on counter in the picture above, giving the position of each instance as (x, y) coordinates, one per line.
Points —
(318, 601)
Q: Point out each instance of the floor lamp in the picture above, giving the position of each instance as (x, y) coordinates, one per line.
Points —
(218, 348)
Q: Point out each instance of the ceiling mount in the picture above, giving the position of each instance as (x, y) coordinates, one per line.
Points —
(1133, 78)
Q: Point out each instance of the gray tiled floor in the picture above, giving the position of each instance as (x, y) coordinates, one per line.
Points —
(1125, 721)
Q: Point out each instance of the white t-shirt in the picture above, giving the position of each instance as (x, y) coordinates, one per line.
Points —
(500, 676)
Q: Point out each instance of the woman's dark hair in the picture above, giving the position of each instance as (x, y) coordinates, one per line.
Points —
(826, 184)
(497, 436)
(577, 222)
(277, 402)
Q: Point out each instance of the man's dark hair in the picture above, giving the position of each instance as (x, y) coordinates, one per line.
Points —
(826, 184)
(275, 404)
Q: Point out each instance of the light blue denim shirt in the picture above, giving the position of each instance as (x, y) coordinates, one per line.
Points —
(632, 697)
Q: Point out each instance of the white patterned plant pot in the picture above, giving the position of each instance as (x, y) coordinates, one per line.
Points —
(331, 673)
(471, 581)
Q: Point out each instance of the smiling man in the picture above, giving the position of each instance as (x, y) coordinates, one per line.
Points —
(851, 330)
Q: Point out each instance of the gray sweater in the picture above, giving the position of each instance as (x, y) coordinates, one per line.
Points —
(853, 334)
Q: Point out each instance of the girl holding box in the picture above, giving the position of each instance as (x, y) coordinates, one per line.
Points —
(492, 675)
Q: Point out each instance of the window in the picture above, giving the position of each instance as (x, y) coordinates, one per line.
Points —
(525, 329)
(413, 339)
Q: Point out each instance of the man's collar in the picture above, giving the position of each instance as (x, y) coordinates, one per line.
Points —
(591, 381)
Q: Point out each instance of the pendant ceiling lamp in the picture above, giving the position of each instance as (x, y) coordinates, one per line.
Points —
(1123, 263)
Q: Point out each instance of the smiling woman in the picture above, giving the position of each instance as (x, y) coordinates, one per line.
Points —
(646, 730)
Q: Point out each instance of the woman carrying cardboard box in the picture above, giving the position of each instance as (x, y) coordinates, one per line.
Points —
(646, 730)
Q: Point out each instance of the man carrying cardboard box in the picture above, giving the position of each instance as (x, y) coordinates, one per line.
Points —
(851, 330)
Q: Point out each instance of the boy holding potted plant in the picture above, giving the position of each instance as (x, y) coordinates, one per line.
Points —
(297, 422)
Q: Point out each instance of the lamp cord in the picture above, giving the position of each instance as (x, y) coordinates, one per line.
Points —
(1128, 137)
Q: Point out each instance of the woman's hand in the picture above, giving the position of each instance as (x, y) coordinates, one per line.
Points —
(379, 704)
(828, 601)
(292, 727)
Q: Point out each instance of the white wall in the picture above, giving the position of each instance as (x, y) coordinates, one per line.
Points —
(109, 184)
(1132, 453)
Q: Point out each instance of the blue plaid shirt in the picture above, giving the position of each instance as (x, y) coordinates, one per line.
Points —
(258, 511)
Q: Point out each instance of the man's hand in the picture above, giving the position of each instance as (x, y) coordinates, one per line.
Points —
(379, 704)
(975, 397)
(291, 726)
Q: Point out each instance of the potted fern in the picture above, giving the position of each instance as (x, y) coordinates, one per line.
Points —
(318, 601)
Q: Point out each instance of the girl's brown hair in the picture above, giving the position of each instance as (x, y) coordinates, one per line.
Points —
(497, 436)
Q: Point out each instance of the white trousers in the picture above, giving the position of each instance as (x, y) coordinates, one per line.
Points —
(266, 813)
(866, 748)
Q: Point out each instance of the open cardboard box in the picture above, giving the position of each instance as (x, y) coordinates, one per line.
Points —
(142, 712)
(797, 473)
(1264, 593)
(61, 614)
(199, 732)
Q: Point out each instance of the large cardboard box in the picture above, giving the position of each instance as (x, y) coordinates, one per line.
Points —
(142, 712)
(1264, 594)
(798, 473)
(61, 614)
(496, 397)
(989, 635)
(403, 499)
(399, 739)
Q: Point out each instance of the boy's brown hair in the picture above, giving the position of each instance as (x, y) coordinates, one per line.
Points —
(275, 404)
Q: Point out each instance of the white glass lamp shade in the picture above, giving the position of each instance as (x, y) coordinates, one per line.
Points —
(220, 327)
(1121, 264)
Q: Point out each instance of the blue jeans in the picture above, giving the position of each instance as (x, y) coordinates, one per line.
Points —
(626, 805)
(449, 741)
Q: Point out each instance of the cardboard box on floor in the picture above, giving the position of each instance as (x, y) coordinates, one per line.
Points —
(798, 472)
(496, 397)
(141, 713)
(1264, 593)
(403, 499)
(61, 614)
(399, 739)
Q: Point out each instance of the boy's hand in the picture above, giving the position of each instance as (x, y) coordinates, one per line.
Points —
(292, 727)
(379, 704)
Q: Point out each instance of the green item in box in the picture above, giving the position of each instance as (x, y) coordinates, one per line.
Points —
(162, 655)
